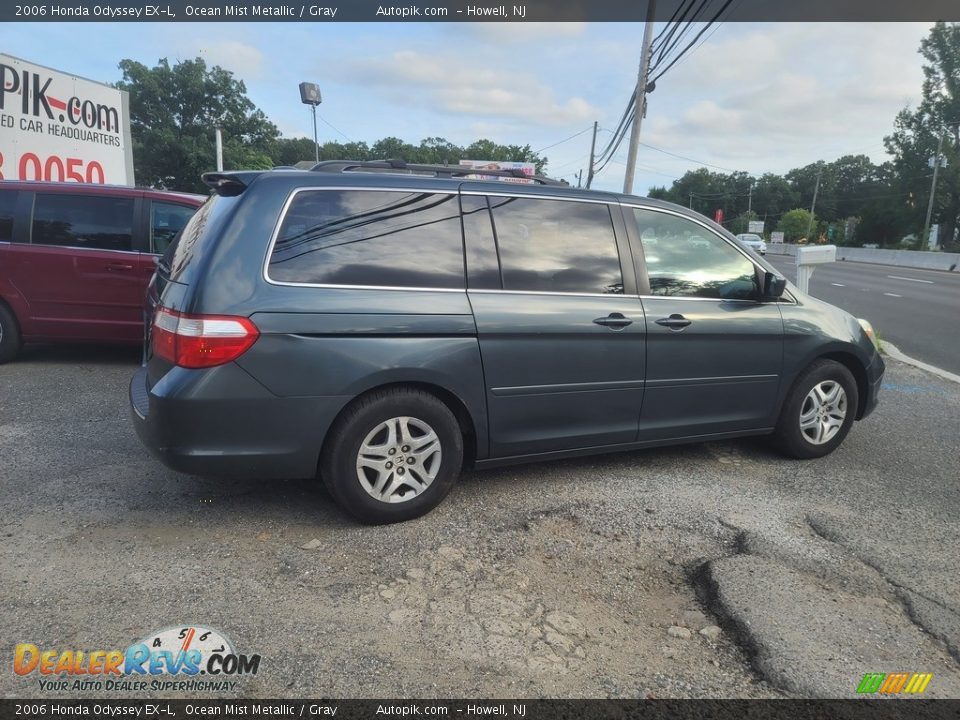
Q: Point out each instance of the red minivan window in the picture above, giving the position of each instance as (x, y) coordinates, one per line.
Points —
(7, 200)
(83, 221)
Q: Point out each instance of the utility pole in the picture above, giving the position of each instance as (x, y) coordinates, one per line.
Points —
(593, 150)
(750, 198)
(579, 177)
(813, 205)
(933, 190)
(639, 98)
(691, 201)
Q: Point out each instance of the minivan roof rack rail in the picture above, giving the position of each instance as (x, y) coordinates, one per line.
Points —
(449, 171)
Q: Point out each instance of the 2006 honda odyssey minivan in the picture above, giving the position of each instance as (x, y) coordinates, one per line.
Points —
(382, 325)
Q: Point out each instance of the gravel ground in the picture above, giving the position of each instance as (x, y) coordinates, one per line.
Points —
(713, 570)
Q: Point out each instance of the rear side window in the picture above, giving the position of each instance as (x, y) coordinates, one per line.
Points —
(7, 200)
(370, 238)
(83, 221)
(166, 220)
(556, 246)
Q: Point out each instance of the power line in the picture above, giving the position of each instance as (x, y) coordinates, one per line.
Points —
(614, 141)
(693, 42)
(673, 24)
(560, 142)
(693, 160)
(668, 48)
(704, 41)
(325, 122)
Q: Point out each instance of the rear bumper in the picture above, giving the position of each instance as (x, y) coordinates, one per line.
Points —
(220, 422)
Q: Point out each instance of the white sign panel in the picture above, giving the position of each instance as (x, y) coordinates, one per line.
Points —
(56, 126)
(526, 168)
(776, 237)
(755, 226)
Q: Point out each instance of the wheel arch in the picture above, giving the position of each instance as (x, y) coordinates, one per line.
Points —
(859, 372)
(468, 426)
(13, 314)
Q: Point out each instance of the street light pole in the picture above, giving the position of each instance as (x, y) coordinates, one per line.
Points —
(316, 142)
(310, 95)
(639, 96)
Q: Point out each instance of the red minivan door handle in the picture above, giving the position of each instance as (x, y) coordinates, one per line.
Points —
(121, 267)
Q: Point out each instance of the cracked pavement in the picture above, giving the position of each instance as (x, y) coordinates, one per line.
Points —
(711, 570)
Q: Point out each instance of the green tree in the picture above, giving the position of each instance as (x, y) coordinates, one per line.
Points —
(174, 111)
(773, 196)
(431, 150)
(794, 224)
(917, 132)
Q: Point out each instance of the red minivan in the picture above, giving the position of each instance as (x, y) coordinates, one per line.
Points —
(75, 260)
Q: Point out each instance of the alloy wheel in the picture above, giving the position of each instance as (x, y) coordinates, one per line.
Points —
(399, 459)
(823, 412)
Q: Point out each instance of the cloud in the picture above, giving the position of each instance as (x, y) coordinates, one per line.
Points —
(243, 60)
(770, 98)
(463, 84)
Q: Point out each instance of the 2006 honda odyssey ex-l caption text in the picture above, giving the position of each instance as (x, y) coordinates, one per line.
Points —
(382, 325)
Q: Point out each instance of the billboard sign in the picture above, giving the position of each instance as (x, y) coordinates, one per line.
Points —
(776, 237)
(526, 168)
(755, 226)
(60, 127)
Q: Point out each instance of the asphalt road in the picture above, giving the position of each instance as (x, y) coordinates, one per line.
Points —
(711, 570)
(916, 310)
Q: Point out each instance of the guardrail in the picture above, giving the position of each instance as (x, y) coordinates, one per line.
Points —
(899, 258)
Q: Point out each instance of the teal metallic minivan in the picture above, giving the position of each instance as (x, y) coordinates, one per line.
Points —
(381, 325)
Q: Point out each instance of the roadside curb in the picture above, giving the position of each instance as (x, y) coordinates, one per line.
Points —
(894, 352)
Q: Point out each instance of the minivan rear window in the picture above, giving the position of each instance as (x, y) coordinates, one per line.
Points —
(182, 249)
(370, 238)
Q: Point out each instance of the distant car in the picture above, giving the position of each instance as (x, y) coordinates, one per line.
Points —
(754, 242)
(75, 259)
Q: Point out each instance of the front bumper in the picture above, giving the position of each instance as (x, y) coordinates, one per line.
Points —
(874, 381)
(220, 422)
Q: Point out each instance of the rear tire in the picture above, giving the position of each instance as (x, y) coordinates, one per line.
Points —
(819, 411)
(392, 456)
(9, 335)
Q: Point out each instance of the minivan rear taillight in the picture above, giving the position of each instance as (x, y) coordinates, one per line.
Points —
(201, 341)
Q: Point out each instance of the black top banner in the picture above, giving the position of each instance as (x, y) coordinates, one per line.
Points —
(914, 709)
(462, 11)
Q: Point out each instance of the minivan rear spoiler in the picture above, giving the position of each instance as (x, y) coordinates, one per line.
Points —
(229, 184)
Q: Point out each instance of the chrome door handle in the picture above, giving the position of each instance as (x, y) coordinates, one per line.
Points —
(615, 320)
(674, 322)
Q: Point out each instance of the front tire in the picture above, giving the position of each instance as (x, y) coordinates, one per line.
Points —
(9, 335)
(819, 411)
(392, 456)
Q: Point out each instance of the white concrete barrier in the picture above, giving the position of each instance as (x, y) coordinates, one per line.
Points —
(898, 258)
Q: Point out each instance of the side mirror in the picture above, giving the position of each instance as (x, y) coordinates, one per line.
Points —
(773, 285)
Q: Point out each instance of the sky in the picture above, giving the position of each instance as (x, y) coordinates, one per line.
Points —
(752, 97)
